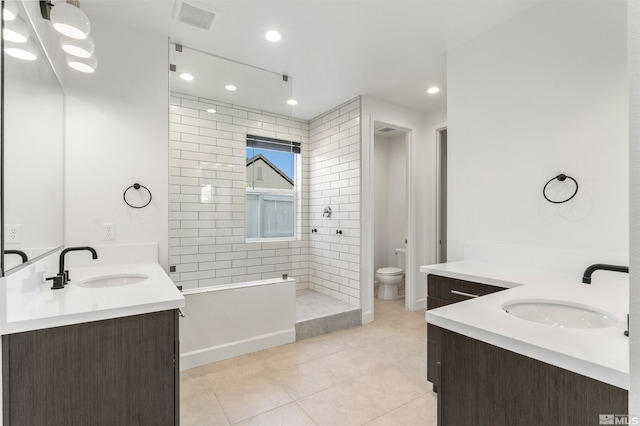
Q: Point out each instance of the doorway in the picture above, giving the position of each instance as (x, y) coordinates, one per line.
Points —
(441, 153)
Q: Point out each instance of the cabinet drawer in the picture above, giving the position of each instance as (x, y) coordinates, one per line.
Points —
(450, 289)
(434, 302)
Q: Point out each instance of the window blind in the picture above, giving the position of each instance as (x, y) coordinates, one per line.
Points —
(261, 142)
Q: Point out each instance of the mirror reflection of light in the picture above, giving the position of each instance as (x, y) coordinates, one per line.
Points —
(80, 48)
(292, 102)
(26, 51)
(206, 194)
(86, 65)
(16, 31)
(211, 110)
(9, 12)
(231, 87)
(186, 76)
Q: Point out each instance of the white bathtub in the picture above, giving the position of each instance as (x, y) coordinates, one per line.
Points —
(226, 321)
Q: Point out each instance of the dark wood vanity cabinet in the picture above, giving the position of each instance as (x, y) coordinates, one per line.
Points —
(481, 384)
(121, 371)
(443, 291)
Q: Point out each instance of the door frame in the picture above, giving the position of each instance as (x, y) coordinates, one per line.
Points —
(367, 242)
(437, 129)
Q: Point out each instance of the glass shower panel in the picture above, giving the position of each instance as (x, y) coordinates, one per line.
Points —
(225, 227)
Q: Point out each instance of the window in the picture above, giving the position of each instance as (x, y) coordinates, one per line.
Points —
(271, 190)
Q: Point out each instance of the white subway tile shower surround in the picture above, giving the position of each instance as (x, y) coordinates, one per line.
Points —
(207, 212)
(333, 179)
(207, 240)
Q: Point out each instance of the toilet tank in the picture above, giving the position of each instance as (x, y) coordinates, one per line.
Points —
(401, 258)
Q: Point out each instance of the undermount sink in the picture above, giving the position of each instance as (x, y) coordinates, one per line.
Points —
(116, 280)
(559, 313)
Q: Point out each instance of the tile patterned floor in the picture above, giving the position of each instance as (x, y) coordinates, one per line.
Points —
(370, 375)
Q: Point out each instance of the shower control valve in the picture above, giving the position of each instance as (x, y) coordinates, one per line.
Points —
(339, 231)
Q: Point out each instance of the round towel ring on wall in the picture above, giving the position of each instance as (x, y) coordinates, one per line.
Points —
(136, 186)
(561, 177)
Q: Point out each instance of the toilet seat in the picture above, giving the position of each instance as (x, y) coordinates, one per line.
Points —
(390, 271)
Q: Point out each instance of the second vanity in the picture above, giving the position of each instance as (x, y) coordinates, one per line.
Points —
(102, 351)
(490, 367)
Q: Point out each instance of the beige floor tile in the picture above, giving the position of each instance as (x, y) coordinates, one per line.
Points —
(420, 411)
(415, 369)
(351, 363)
(287, 415)
(235, 373)
(341, 405)
(305, 379)
(387, 387)
(251, 396)
(286, 358)
(201, 409)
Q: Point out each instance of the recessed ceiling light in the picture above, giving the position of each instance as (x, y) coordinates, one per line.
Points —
(433, 90)
(186, 76)
(211, 110)
(16, 31)
(292, 102)
(231, 87)
(273, 36)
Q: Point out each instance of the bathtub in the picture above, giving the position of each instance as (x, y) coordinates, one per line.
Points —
(226, 321)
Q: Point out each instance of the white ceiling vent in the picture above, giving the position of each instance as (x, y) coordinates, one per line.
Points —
(191, 13)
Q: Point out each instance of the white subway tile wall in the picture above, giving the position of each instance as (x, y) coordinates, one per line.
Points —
(333, 166)
(207, 211)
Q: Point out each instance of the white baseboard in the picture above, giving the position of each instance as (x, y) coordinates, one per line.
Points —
(232, 349)
(421, 303)
(367, 317)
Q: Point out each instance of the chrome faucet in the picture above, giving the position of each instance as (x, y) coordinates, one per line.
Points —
(586, 276)
(65, 273)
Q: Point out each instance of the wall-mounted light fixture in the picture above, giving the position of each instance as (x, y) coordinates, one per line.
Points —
(69, 20)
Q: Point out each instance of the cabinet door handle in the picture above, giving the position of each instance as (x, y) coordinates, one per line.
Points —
(440, 393)
(462, 293)
(181, 313)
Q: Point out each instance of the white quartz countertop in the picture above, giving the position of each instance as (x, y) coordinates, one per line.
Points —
(599, 353)
(42, 307)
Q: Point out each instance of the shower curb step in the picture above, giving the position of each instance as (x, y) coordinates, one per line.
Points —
(328, 324)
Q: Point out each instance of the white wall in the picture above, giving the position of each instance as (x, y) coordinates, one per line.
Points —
(634, 145)
(381, 212)
(116, 135)
(390, 198)
(541, 94)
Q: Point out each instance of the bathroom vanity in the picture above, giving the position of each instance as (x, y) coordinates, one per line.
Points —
(121, 371)
(490, 367)
(104, 350)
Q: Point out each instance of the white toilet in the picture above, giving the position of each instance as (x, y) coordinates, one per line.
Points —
(389, 278)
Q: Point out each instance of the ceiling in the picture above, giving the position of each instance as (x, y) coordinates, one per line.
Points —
(334, 50)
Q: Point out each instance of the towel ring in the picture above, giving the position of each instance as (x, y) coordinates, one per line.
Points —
(561, 177)
(136, 186)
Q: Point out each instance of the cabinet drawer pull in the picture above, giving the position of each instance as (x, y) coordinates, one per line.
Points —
(462, 293)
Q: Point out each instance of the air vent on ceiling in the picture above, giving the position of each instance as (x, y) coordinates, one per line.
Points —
(385, 129)
(195, 16)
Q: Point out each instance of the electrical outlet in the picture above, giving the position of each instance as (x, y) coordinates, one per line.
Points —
(14, 234)
(108, 231)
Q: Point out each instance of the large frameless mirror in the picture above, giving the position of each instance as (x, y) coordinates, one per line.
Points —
(32, 144)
